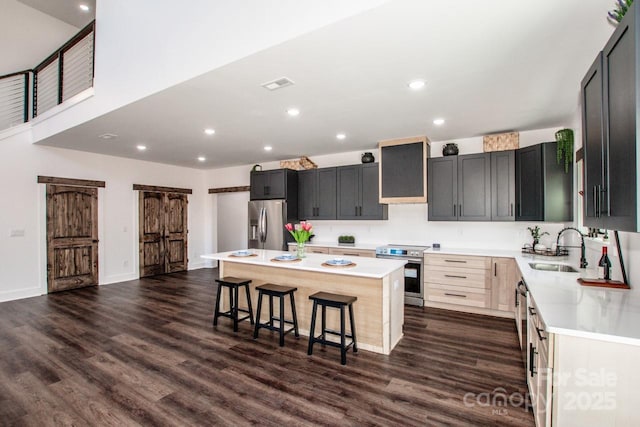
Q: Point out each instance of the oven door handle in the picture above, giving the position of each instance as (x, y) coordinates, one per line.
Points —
(415, 261)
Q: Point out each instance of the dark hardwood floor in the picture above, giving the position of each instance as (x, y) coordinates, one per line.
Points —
(144, 352)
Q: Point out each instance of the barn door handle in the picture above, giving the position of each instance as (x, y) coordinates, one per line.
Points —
(95, 241)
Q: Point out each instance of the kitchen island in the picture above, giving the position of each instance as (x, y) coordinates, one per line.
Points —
(377, 283)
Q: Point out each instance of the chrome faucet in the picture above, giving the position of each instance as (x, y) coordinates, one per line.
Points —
(583, 258)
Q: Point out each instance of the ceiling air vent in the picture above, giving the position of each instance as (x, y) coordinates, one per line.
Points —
(278, 83)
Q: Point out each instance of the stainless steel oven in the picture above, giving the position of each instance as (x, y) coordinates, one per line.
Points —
(413, 269)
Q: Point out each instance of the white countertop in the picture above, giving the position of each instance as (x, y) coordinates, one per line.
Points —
(365, 246)
(365, 267)
(566, 307)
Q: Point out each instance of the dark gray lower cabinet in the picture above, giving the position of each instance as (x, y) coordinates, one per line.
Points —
(460, 188)
(544, 192)
(317, 194)
(358, 193)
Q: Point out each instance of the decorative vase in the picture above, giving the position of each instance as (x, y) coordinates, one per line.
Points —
(300, 250)
(368, 158)
(450, 149)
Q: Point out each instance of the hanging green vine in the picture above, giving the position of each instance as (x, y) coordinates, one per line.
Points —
(564, 137)
(618, 13)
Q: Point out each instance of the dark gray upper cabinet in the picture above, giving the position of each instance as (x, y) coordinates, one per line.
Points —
(503, 185)
(358, 193)
(274, 184)
(460, 188)
(403, 174)
(544, 192)
(443, 188)
(474, 187)
(593, 143)
(609, 130)
(317, 194)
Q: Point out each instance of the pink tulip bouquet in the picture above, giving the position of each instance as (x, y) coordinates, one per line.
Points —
(300, 232)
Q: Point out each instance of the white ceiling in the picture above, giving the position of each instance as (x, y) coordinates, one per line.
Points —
(66, 10)
(490, 66)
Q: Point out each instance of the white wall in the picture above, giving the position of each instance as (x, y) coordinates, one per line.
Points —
(142, 48)
(407, 223)
(23, 265)
(28, 36)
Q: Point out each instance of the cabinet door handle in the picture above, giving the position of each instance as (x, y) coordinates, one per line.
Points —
(517, 301)
(348, 254)
(539, 331)
(532, 358)
(360, 210)
(459, 211)
(495, 269)
(532, 311)
(455, 277)
(595, 201)
(455, 260)
(454, 209)
(511, 210)
(356, 209)
(455, 295)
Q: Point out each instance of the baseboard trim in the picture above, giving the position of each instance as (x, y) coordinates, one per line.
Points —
(472, 310)
(20, 294)
(118, 278)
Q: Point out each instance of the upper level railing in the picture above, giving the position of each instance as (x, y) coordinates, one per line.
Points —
(65, 73)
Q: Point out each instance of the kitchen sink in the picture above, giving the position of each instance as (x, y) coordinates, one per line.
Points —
(552, 267)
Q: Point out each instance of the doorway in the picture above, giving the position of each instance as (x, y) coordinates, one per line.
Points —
(72, 232)
(163, 233)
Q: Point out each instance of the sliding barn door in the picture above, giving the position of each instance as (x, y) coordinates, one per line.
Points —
(163, 233)
(176, 232)
(72, 237)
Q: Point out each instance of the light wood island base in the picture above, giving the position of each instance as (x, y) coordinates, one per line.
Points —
(379, 310)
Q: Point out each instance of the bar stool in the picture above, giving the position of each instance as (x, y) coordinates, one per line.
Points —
(281, 292)
(233, 284)
(325, 299)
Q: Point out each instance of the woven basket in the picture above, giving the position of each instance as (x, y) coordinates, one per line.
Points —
(501, 141)
(297, 165)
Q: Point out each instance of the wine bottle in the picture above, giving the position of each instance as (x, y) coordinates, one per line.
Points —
(604, 265)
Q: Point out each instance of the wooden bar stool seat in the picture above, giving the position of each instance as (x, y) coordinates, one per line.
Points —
(233, 284)
(325, 299)
(280, 292)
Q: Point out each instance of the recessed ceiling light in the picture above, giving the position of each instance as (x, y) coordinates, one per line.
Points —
(341, 136)
(268, 148)
(209, 131)
(438, 122)
(108, 136)
(417, 84)
(202, 158)
(84, 8)
(141, 147)
(293, 112)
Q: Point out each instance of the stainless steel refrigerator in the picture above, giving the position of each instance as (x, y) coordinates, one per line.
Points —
(266, 224)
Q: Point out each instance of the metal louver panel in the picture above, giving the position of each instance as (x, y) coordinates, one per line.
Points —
(47, 87)
(12, 100)
(77, 74)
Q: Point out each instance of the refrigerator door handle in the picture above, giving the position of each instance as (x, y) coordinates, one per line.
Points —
(263, 225)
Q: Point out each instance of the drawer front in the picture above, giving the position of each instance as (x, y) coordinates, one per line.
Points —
(310, 249)
(352, 252)
(439, 260)
(470, 297)
(468, 277)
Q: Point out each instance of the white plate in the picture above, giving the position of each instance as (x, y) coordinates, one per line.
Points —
(339, 261)
(286, 257)
(242, 253)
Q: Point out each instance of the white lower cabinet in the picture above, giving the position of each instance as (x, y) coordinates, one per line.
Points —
(539, 366)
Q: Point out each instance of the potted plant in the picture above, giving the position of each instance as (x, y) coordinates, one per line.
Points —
(536, 235)
(346, 240)
(564, 138)
(616, 15)
(301, 233)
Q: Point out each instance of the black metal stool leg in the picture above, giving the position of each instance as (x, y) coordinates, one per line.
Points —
(235, 309)
(293, 313)
(313, 327)
(257, 328)
(343, 341)
(270, 310)
(324, 325)
(281, 320)
(246, 287)
(216, 311)
(353, 329)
